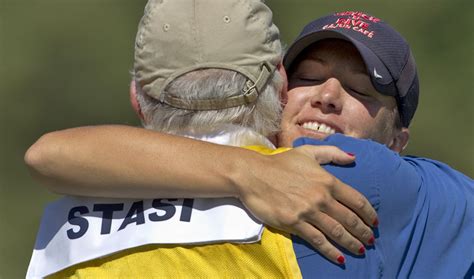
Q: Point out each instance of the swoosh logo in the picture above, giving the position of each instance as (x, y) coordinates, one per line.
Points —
(376, 75)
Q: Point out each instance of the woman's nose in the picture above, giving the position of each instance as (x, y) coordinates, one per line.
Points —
(327, 96)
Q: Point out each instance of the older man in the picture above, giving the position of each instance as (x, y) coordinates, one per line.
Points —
(351, 73)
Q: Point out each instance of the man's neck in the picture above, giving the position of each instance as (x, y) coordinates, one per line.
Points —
(229, 135)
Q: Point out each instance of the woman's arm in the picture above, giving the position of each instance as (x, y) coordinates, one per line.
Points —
(289, 191)
(129, 162)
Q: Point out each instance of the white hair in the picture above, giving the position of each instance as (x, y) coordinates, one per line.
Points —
(263, 116)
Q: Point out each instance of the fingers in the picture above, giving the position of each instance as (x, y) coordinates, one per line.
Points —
(327, 154)
(346, 228)
(333, 221)
(320, 243)
(342, 192)
(355, 201)
(338, 233)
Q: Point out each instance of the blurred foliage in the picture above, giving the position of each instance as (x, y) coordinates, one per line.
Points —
(66, 63)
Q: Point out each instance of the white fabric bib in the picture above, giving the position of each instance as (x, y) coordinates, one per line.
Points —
(79, 229)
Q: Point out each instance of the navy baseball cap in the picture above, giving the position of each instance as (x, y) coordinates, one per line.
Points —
(387, 56)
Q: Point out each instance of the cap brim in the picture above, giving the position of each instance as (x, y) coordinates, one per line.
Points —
(376, 70)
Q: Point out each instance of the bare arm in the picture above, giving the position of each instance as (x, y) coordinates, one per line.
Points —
(289, 191)
(128, 162)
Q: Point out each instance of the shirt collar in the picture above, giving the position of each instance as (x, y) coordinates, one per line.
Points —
(233, 135)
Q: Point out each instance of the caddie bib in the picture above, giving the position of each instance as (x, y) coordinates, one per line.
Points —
(78, 229)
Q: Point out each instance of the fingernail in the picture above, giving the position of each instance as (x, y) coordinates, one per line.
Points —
(361, 250)
(371, 240)
(341, 259)
(350, 154)
(376, 222)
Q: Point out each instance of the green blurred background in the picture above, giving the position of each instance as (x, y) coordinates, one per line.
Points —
(66, 63)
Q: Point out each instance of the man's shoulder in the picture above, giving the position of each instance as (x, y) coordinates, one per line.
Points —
(266, 150)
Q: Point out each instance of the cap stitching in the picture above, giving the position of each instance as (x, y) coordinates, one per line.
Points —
(407, 56)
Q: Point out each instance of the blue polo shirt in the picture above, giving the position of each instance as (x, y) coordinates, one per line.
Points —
(425, 210)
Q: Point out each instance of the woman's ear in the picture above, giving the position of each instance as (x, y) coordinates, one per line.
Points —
(400, 140)
(134, 101)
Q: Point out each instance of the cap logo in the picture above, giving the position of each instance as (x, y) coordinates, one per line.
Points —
(376, 75)
(357, 21)
(359, 15)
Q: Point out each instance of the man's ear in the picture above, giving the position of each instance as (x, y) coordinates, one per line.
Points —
(400, 140)
(134, 102)
(284, 89)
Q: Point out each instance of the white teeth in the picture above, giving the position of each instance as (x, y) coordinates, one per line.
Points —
(315, 126)
(322, 128)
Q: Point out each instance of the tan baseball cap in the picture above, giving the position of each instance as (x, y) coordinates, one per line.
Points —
(179, 36)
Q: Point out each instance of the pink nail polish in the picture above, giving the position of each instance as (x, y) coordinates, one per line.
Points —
(376, 222)
(361, 250)
(341, 259)
(371, 240)
(350, 154)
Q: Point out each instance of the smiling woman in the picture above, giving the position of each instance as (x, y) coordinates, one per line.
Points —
(329, 90)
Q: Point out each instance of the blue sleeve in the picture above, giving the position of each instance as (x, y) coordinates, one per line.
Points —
(390, 183)
(411, 198)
